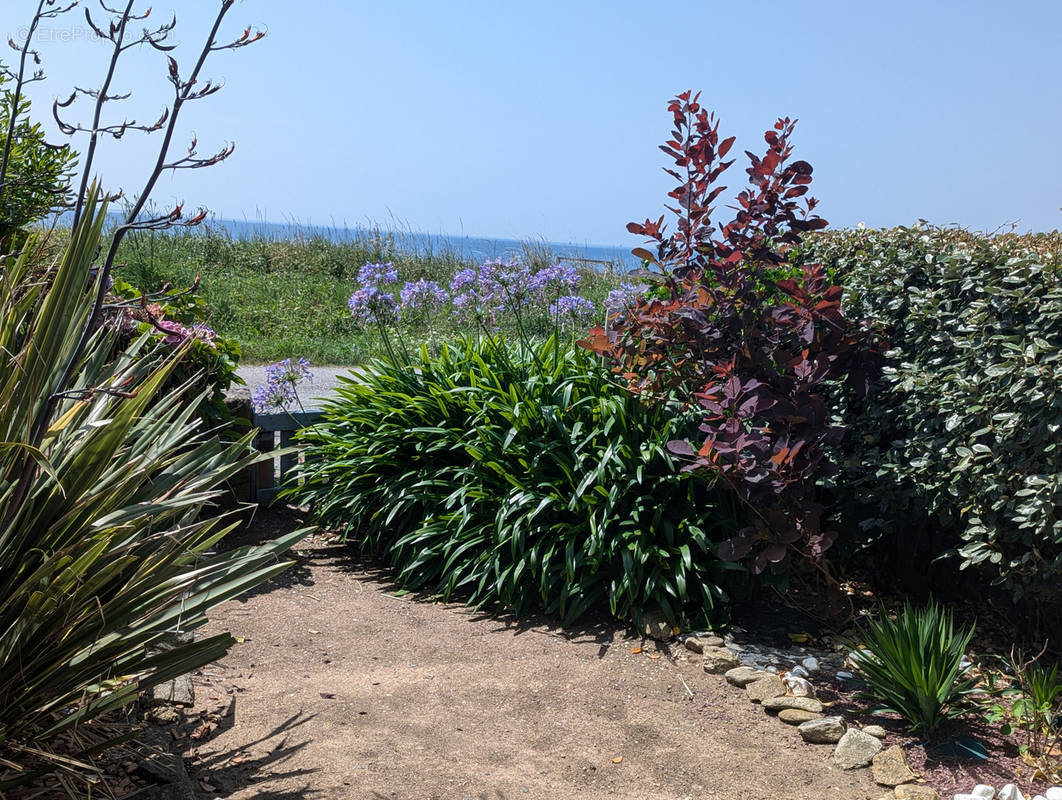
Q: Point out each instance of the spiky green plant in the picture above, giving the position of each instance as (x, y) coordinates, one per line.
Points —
(518, 478)
(912, 664)
(105, 544)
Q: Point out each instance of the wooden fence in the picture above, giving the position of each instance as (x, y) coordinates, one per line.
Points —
(276, 431)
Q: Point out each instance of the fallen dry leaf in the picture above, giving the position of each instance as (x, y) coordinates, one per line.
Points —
(654, 655)
(311, 630)
(636, 650)
(617, 759)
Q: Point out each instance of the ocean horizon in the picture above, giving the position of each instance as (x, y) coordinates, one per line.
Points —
(467, 248)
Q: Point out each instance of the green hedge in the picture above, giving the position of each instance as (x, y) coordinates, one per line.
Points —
(961, 438)
(518, 478)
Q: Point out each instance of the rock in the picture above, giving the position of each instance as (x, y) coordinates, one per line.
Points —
(811, 664)
(164, 715)
(765, 688)
(876, 731)
(889, 768)
(743, 676)
(717, 660)
(844, 675)
(699, 642)
(798, 672)
(797, 716)
(1039, 797)
(799, 687)
(1054, 793)
(913, 791)
(1010, 792)
(803, 703)
(983, 791)
(654, 624)
(826, 730)
(773, 670)
(856, 749)
(179, 691)
(160, 757)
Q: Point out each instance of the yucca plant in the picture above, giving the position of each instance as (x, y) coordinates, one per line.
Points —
(913, 664)
(105, 538)
(518, 478)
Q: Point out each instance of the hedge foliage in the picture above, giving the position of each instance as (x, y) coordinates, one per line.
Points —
(513, 477)
(961, 437)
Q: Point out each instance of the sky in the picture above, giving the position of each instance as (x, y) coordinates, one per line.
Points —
(542, 120)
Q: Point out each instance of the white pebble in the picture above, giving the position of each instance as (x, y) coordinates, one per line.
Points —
(798, 672)
(844, 675)
(772, 670)
(984, 791)
(800, 687)
(811, 664)
(1054, 793)
(1010, 792)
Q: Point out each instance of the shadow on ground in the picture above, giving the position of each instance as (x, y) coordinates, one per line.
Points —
(228, 770)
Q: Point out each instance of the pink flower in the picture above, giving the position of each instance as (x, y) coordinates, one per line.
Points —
(177, 332)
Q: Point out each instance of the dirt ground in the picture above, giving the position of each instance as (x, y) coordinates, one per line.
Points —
(340, 689)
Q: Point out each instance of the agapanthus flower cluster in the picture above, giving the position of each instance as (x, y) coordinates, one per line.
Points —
(280, 390)
(572, 309)
(377, 275)
(492, 287)
(422, 297)
(369, 304)
(623, 297)
(289, 371)
(554, 281)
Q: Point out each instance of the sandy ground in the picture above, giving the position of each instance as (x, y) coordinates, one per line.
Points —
(341, 689)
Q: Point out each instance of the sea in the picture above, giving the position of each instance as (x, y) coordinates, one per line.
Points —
(467, 248)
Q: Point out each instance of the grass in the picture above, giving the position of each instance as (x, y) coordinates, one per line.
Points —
(288, 297)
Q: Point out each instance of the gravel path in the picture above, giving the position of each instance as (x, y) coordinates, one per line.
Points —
(338, 688)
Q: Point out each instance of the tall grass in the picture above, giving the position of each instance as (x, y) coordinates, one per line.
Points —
(282, 297)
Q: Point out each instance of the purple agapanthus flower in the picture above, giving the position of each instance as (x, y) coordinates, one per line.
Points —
(281, 387)
(377, 275)
(624, 296)
(289, 371)
(371, 305)
(273, 396)
(572, 309)
(422, 296)
(555, 280)
(492, 287)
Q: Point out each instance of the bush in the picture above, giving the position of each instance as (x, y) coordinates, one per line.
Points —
(912, 663)
(37, 172)
(961, 440)
(105, 542)
(515, 477)
(177, 318)
(755, 344)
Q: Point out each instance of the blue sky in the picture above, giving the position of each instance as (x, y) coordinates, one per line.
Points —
(542, 120)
